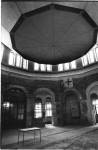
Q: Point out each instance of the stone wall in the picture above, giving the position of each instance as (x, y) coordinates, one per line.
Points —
(31, 85)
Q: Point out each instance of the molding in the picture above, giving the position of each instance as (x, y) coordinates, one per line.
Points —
(6, 70)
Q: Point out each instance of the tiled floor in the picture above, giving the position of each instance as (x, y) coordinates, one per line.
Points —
(50, 136)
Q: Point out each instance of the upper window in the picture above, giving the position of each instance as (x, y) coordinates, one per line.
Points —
(90, 56)
(36, 66)
(18, 61)
(96, 53)
(49, 67)
(25, 64)
(73, 64)
(12, 59)
(2, 51)
(42, 67)
(84, 60)
(60, 67)
(66, 66)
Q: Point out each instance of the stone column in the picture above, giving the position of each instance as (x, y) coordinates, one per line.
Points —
(29, 111)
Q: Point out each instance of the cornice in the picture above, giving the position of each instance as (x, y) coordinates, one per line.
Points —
(6, 70)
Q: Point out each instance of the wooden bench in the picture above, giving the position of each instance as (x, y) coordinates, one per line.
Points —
(34, 129)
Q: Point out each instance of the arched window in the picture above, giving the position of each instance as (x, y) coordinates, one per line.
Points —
(94, 99)
(48, 107)
(38, 108)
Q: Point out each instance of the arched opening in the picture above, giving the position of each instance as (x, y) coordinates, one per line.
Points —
(71, 108)
(14, 109)
(92, 96)
(94, 101)
(44, 111)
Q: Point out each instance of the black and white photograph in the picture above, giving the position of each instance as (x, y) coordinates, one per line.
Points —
(49, 74)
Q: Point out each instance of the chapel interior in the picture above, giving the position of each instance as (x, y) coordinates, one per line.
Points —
(49, 64)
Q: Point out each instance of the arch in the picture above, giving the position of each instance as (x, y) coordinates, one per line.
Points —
(40, 90)
(18, 87)
(44, 94)
(93, 96)
(71, 106)
(75, 91)
(91, 89)
(16, 96)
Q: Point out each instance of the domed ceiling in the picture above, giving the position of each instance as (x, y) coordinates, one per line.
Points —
(53, 33)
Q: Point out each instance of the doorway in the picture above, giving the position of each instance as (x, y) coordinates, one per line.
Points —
(14, 109)
(72, 108)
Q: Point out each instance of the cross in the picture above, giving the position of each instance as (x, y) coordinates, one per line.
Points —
(69, 82)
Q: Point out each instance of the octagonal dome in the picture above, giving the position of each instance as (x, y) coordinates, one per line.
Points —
(54, 34)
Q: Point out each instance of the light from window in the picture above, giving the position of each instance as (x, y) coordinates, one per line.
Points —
(38, 110)
(42, 67)
(60, 67)
(12, 58)
(84, 60)
(49, 67)
(18, 61)
(95, 103)
(2, 51)
(48, 109)
(25, 64)
(73, 64)
(36, 66)
(90, 56)
(66, 66)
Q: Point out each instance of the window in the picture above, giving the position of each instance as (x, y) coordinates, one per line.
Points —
(49, 67)
(25, 64)
(38, 110)
(48, 109)
(20, 111)
(12, 59)
(36, 66)
(42, 67)
(60, 67)
(90, 56)
(96, 53)
(84, 60)
(95, 103)
(73, 64)
(2, 51)
(18, 61)
(66, 66)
